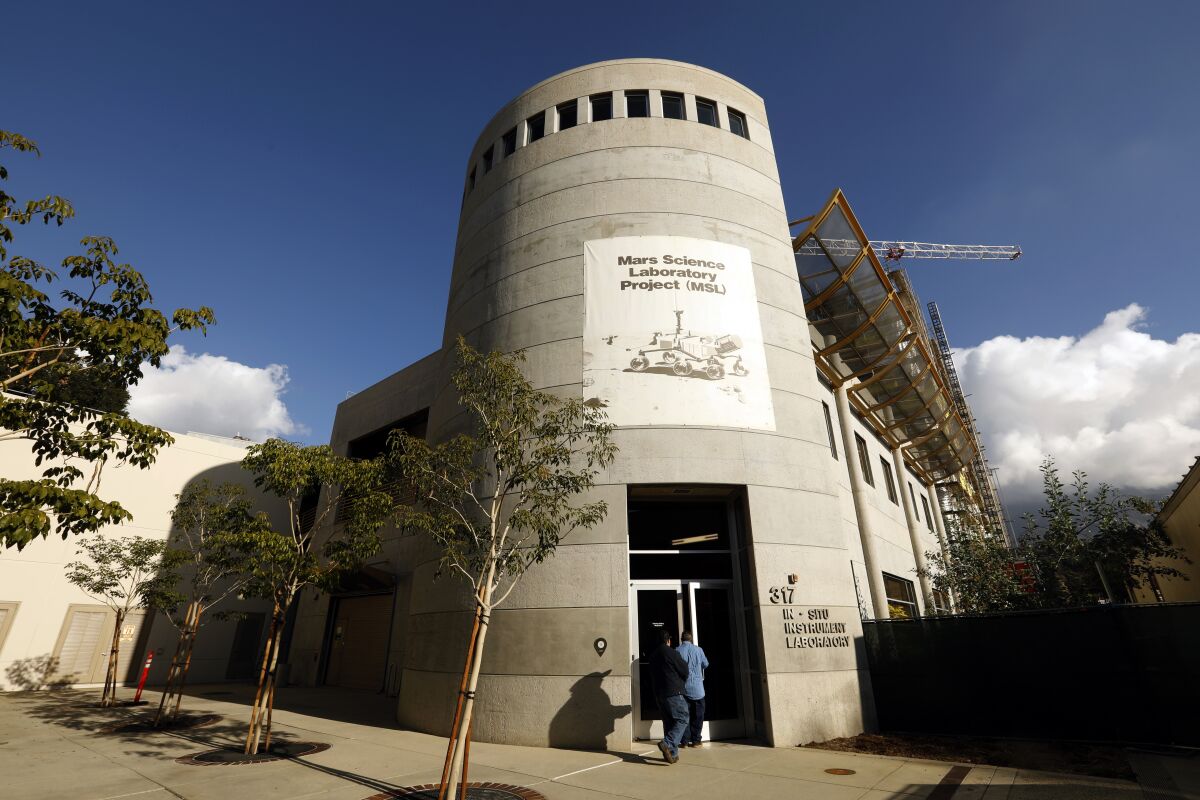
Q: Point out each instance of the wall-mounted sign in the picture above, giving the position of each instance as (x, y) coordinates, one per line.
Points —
(672, 335)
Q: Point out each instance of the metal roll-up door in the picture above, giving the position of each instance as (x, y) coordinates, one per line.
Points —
(82, 645)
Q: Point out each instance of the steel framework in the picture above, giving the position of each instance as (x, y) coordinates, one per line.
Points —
(989, 498)
(898, 251)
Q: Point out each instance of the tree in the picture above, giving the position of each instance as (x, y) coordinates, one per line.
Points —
(348, 513)
(499, 500)
(977, 570)
(124, 574)
(215, 531)
(65, 368)
(1083, 542)
(1083, 547)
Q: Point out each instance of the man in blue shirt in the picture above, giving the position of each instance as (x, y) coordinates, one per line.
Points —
(693, 688)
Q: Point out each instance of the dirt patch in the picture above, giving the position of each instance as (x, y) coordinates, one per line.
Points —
(1086, 759)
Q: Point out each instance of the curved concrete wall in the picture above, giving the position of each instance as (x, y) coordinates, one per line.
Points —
(518, 283)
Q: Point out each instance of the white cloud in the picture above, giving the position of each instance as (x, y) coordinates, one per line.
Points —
(1115, 402)
(211, 394)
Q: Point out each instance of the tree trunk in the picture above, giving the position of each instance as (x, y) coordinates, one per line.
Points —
(189, 648)
(464, 726)
(176, 669)
(252, 735)
(458, 706)
(109, 697)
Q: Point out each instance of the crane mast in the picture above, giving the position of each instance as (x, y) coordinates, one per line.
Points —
(989, 499)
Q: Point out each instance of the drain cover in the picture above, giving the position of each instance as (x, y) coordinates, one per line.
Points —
(840, 771)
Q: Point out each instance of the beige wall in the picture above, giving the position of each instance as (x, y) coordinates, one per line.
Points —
(35, 577)
(1181, 518)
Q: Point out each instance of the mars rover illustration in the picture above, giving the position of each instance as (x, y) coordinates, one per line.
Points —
(685, 353)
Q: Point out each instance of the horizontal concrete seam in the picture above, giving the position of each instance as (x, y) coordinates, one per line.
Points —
(531, 608)
(530, 169)
(535, 167)
(483, 673)
(512, 241)
(518, 206)
(523, 270)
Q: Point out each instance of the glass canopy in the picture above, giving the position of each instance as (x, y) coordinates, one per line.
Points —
(864, 337)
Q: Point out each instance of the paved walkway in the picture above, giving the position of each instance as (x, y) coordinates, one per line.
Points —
(50, 748)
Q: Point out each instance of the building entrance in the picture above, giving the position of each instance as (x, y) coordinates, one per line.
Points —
(682, 568)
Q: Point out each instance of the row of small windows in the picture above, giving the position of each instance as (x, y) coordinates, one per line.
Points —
(864, 461)
(599, 108)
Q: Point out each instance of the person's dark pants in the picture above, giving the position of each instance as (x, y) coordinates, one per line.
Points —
(675, 720)
(696, 721)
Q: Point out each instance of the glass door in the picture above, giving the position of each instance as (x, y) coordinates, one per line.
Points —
(706, 609)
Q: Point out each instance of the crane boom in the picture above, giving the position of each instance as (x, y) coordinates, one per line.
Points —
(896, 251)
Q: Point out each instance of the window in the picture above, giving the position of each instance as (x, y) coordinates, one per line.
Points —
(737, 124)
(601, 106)
(537, 127)
(471, 181)
(509, 143)
(568, 115)
(864, 460)
(913, 495)
(901, 600)
(637, 104)
(673, 106)
(925, 508)
(488, 157)
(706, 112)
(829, 430)
(376, 443)
(888, 481)
(941, 602)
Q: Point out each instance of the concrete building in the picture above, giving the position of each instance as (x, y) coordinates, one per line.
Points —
(51, 632)
(781, 424)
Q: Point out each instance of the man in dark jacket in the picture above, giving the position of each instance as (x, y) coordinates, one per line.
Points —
(668, 673)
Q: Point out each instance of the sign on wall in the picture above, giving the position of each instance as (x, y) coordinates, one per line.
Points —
(672, 335)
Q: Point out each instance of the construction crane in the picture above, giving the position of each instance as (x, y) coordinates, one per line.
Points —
(897, 251)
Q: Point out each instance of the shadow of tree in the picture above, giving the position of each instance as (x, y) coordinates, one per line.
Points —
(36, 673)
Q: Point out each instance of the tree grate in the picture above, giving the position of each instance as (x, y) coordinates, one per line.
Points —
(475, 791)
(230, 756)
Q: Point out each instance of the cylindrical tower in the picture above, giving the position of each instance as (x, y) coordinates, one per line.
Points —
(623, 223)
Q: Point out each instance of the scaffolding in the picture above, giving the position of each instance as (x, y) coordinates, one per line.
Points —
(987, 495)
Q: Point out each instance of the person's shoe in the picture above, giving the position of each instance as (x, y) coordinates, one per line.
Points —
(668, 756)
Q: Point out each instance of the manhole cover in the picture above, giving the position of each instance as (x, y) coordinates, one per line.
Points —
(475, 791)
(840, 771)
(229, 756)
(146, 724)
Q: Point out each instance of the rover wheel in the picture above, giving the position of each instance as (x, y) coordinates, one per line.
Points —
(639, 364)
(670, 357)
(739, 369)
(714, 372)
(682, 368)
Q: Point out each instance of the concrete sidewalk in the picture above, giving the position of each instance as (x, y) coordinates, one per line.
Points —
(50, 747)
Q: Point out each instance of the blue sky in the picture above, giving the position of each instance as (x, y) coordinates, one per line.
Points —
(299, 166)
